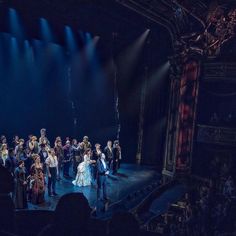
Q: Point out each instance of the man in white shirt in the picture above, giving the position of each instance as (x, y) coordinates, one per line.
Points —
(52, 170)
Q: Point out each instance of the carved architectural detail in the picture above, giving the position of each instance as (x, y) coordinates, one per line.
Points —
(215, 25)
(219, 72)
(216, 135)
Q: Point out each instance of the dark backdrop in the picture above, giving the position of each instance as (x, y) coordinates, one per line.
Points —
(54, 89)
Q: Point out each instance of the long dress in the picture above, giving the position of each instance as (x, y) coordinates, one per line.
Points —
(83, 176)
(38, 185)
(4, 156)
(20, 190)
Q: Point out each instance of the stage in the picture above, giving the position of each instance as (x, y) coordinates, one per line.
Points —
(129, 179)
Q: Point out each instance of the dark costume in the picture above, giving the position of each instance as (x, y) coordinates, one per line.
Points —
(76, 157)
(93, 166)
(67, 160)
(20, 152)
(10, 164)
(43, 156)
(116, 158)
(34, 147)
(60, 156)
(37, 183)
(109, 155)
(102, 180)
(28, 162)
(85, 145)
(20, 196)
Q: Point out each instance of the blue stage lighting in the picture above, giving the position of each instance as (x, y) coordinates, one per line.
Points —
(15, 62)
(28, 52)
(14, 48)
(70, 39)
(46, 32)
(15, 26)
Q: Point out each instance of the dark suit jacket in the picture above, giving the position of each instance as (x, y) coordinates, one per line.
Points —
(42, 158)
(116, 153)
(11, 164)
(100, 168)
(108, 153)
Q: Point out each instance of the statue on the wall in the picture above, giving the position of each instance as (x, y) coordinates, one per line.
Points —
(220, 27)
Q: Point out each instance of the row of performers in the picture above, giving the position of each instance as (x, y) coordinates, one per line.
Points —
(31, 179)
(71, 152)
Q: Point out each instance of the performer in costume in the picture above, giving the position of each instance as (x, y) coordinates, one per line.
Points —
(116, 156)
(59, 151)
(4, 153)
(75, 155)
(37, 182)
(103, 172)
(52, 169)
(43, 139)
(108, 153)
(20, 196)
(67, 159)
(83, 177)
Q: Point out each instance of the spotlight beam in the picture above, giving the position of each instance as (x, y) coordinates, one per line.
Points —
(15, 26)
(129, 58)
(46, 32)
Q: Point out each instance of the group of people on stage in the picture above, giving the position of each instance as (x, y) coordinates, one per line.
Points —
(32, 161)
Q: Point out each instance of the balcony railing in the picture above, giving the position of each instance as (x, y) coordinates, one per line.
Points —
(216, 135)
(219, 72)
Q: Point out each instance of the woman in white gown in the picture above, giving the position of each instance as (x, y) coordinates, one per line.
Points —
(83, 176)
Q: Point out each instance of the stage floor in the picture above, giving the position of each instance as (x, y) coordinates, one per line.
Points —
(129, 179)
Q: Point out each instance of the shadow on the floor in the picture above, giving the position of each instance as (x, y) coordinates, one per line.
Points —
(122, 175)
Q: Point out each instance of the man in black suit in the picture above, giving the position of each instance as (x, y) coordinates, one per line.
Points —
(11, 162)
(95, 156)
(116, 156)
(108, 153)
(103, 172)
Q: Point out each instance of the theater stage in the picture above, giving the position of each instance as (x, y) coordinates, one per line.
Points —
(129, 179)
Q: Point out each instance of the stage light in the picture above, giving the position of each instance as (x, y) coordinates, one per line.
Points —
(14, 49)
(129, 58)
(15, 56)
(46, 32)
(37, 49)
(70, 39)
(89, 47)
(94, 66)
(158, 77)
(15, 26)
(29, 56)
